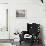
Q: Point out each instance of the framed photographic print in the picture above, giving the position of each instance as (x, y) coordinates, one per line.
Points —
(20, 13)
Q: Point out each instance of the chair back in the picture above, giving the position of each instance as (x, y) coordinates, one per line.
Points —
(33, 28)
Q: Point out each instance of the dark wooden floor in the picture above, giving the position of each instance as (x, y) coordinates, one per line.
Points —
(29, 44)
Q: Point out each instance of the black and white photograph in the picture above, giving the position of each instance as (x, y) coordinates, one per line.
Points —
(22, 22)
(20, 13)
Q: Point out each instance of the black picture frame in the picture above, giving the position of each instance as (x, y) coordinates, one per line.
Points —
(20, 13)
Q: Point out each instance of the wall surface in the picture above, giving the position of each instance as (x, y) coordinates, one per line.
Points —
(3, 1)
(3, 21)
(3, 34)
(35, 13)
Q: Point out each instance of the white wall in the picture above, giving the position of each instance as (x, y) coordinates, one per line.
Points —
(3, 21)
(3, 34)
(35, 12)
(3, 1)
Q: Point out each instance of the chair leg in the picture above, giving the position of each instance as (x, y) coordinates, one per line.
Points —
(20, 42)
(32, 42)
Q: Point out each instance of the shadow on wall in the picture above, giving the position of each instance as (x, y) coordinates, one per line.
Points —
(41, 34)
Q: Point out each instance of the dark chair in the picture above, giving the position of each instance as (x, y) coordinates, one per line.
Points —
(32, 29)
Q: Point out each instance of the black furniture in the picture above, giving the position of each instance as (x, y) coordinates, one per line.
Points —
(33, 30)
(42, 1)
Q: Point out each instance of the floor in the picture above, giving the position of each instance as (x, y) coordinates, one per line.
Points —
(5, 44)
(23, 44)
(27, 44)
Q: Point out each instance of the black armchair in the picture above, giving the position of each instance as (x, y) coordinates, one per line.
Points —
(33, 30)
